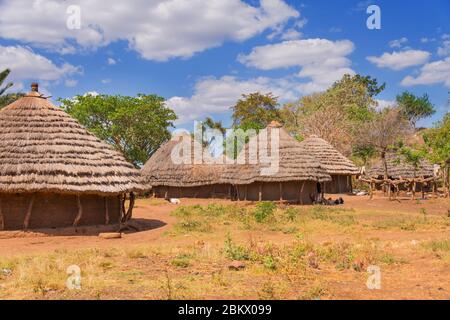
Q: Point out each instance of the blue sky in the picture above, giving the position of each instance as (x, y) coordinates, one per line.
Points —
(201, 55)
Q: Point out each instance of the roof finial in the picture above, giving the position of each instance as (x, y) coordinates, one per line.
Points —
(34, 87)
(275, 124)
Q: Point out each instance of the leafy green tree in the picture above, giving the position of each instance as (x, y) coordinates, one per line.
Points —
(415, 108)
(6, 99)
(335, 114)
(135, 126)
(438, 140)
(414, 157)
(3, 75)
(255, 110)
(9, 98)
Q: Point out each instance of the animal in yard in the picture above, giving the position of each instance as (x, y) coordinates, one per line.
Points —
(173, 201)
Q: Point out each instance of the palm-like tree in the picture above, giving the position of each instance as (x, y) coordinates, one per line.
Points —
(3, 75)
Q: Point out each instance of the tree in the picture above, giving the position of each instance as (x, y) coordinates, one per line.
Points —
(3, 75)
(414, 157)
(6, 99)
(135, 126)
(415, 108)
(437, 139)
(9, 98)
(385, 129)
(255, 111)
(336, 113)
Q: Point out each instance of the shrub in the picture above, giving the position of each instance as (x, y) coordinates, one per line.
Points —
(234, 251)
(263, 211)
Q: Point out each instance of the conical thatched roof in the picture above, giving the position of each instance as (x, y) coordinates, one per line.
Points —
(161, 170)
(397, 167)
(332, 160)
(295, 163)
(43, 149)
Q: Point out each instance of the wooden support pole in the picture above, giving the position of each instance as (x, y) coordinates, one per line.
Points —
(80, 212)
(260, 192)
(2, 219)
(237, 193)
(106, 211)
(120, 208)
(128, 215)
(166, 193)
(281, 191)
(246, 192)
(300, 195)
(26, 222)
(371, 190)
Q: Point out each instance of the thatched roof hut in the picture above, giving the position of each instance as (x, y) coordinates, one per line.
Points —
(296, 178)
(335, 163)
(54, 173)
(398, 168)
(190, 177)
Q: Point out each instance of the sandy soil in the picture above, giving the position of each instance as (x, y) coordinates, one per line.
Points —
(420, 278)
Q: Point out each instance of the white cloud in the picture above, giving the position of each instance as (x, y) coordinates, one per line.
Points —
(321, 60)
(28, 65)
(432, 73)
(444, 49)
(71, 83)
(398, 43)
(111, 61)
(400, 60)
(218, 95)
(157, 30)
(291, 34)
(383, 104)
(106, 81)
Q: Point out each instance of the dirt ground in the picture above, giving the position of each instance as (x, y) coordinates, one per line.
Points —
(410, 271)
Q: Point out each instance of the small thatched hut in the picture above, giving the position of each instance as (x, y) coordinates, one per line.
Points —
(398, 168)
(187, 177)
(54, 173)
(335, 163)
(298, 176)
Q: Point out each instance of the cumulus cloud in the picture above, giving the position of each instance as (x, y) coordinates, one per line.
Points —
(444, 49)
(157, 30)
(432, 73)
(400, 60)
(398, 43)
(218, 95)
(321, 60)
(111, 61)
(25, 64)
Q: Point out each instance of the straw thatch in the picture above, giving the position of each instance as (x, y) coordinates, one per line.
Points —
(43, 149)
(161, 170)
(398, 168)
(295, 163)
(331, 159)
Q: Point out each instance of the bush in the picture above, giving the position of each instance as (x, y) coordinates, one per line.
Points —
(263, 211)
(234, 251)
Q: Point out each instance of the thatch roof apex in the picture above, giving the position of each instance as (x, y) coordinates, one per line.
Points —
(334, 162)
(43, 149)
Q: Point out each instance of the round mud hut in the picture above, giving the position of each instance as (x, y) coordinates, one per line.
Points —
(279, 170)
(180, 169)
(340, 168)
(54, 173)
